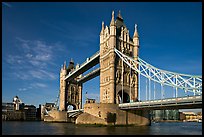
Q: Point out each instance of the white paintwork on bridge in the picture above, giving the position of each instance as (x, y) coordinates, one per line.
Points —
(73, 113)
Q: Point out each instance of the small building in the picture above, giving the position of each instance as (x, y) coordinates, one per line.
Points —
(18, 104)
(38, 113)
(17, 110)
(7, 107)
(89, 100)
(9, 112)
(30, 112)
(191, 116)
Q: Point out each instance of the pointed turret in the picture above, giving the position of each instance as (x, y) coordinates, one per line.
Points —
(112, 31)
(102, 29)
(63, 73)
(135, 33)
(119, 16)
(64, 66)
(102, 33)
(112, 23)
(119, 21)
(71, 65)
(136, 43)
(71, 61)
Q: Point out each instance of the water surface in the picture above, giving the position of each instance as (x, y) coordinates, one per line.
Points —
(47, 128)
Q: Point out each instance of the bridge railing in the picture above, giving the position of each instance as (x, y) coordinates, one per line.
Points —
(77, 110)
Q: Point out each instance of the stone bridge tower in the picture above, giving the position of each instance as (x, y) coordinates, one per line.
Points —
(70, 92)
(117, 85)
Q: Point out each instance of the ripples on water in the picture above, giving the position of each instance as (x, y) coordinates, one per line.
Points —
(46, 128)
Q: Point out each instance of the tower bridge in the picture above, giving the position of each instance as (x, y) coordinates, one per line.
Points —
(120, 70)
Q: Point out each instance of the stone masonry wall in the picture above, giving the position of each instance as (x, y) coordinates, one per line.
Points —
(110, 114)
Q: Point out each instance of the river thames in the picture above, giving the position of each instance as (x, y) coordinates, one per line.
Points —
(46, 128)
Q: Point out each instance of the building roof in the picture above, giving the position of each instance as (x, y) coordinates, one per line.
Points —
(189, 113)
(49, 104)
(119, 22)
(71, 65)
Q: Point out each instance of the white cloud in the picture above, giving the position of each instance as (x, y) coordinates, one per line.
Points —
(37, 74)
(43, 57)
(12, 59)
(49, 74)
(21, 75)
(93, 95)
(33, 61)
(36, 50)
(29, 55)
(42, 74)
(22, 89)
(38, 85)
(33, 85)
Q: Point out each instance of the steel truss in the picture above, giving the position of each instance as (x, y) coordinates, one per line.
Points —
(189, 83)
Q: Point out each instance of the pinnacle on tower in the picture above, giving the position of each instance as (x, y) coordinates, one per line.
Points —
(71, 61)
(119, 15)
(64, 66)
(136, 33)
(102, 30)
(71, 65)
(112, 20)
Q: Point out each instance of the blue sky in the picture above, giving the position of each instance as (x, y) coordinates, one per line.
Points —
(37, 37)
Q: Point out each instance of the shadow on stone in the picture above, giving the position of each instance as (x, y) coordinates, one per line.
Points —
(111, 117)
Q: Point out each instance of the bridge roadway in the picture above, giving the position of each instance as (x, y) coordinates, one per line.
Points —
(190, 102)
(75, 113)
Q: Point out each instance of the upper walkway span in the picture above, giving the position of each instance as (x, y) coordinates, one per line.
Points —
(89, 63)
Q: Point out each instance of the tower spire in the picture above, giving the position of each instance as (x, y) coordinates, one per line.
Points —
(119, 15)
(64, 66)
(71, 60)
(102, 29)
(112, 20)
(136, 33)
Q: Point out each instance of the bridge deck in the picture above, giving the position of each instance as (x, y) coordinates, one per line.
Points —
(173, 103)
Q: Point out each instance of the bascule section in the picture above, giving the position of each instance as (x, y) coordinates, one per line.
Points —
(118, 83)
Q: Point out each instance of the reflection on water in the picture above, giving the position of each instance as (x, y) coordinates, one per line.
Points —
(46, 128)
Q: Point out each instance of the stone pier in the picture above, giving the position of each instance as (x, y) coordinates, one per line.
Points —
(110, 114)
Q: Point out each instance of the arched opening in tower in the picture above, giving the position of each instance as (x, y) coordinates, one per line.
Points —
(71, 107)
(123, 97)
